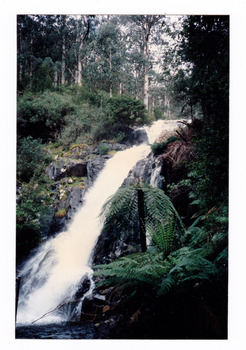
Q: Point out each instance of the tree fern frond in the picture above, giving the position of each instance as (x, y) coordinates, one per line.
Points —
(165, 286)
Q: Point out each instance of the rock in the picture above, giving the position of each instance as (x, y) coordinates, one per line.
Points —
(74, 200)
(61, 168)
(94, 167)
(136, 137)
(142, 170)
(84, 287)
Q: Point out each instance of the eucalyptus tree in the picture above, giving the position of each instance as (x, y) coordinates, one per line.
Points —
(142, 32)
(106, 57)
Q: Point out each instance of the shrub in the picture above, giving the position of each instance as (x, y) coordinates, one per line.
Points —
(158, 113)
(42, 115)
(33, 212)
(159, 148)
(127, 111)
(31, 159)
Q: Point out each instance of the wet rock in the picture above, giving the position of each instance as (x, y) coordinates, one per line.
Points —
(84, 287)
(60, 169)
(141, 171)
(74, 200)
(94, 167)
(136, 137)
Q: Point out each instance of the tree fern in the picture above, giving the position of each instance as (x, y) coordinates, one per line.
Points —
(161, 218)
(165, 264)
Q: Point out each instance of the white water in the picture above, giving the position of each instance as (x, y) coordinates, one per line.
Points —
(55, 271)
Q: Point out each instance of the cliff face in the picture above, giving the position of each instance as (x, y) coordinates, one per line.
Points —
(74, 173)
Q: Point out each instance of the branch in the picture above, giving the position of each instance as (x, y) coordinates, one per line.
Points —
(181, 136)
(56, 308)
(184, 122)
(71, 73)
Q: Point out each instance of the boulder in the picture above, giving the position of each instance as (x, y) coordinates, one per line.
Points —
(142, 170)
(94, 166)
(136, 137)
(61, 168)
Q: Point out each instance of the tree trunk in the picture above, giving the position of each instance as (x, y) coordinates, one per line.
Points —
(146, 68)
(146, 88)
(142, 220)
(110, 70)
(79, 72)
(55, 77)
(63, 61)
(20, 54)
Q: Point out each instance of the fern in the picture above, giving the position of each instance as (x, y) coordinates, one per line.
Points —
(134, 271)
(162, 235)
(161, 218)
(164, 265)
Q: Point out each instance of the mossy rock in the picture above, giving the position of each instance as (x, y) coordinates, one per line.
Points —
(61, 213)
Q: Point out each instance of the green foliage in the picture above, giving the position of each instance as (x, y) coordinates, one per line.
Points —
(158, 113)
(206, 46)
(127, 111)
(33, 212)
(161, 219)
(142, 271)
(43, 75)
(42, 115)
(31, 159)
(159, 148)
(152, 274)
(81, 125)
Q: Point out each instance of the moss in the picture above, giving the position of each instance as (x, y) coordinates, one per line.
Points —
(79, 182)
(112, 153)
(61, 213)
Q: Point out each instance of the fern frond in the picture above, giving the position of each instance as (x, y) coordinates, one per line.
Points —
(165, 286)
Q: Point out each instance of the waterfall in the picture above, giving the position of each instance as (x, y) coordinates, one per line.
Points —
(55, 271)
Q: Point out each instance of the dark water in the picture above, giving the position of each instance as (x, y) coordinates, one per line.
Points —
(61, 331)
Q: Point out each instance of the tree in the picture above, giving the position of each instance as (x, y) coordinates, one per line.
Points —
(150, 208)
(206, 47)
(106, 56)
(142, 32)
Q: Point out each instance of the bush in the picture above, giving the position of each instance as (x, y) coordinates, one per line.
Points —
(42, 115)
(127, 111)
(159, 148)
(33, 212)
(31, 159)
(81, 125)
(158, 113)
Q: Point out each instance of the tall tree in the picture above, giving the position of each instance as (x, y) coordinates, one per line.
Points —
(143, 31)
(206, 47)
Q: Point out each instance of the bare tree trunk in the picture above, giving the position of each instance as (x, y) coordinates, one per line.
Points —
(79, 72)
(146, 68)
(63, 61)
(20, 60)
(110, 69)
(55, 77)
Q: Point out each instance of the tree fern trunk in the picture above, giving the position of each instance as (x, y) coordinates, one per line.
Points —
(142, 220)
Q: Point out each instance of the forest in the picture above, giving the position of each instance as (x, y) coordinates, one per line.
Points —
(84, 82)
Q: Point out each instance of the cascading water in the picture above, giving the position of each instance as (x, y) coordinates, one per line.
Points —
(56, 270)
